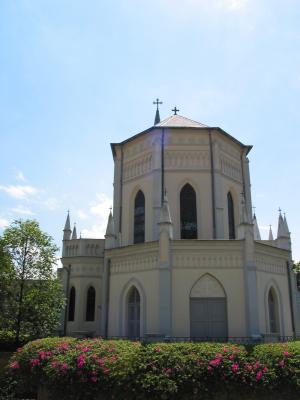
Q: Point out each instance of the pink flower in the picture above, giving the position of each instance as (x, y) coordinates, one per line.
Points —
(93, 379)
(42, 355)
(256, 365)
(265, 369)
(19, 349)
(157, 349)
(231, 357)
(215, 362)
(209, 368)
(259, 375)
(15, 365)
(168, 371)
(281, 364)
(63, 346)
(80, 361)
(286, 354)
(106, 371)
(86, 349)
(64, 366)
(54, 364)
(225, 350)
(249, 367)
(234, 367)
(35, 362)
(101, 362)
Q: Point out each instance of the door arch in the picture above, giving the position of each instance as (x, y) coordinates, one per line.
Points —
(208, 309)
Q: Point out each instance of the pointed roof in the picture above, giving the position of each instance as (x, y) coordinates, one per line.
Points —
(287, 231)
(256, 232)
(178, 121)
(165, 216)
(281, 232)
(67, 224)
(271, 233)
(74, 234)
(110, 230)
(157, 117)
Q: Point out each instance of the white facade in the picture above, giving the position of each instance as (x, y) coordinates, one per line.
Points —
(182, 255)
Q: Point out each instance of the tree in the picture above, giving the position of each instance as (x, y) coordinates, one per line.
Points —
(34, 297)
(296, 268)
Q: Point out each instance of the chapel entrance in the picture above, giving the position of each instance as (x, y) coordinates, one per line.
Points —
(133, 314)
(208, 309)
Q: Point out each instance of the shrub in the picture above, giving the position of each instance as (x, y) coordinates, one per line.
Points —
(122, 369)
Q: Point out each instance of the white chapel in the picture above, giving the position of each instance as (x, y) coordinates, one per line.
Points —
(182, 255)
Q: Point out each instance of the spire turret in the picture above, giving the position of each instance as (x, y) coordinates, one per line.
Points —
(270, 233)
(283, 235)
(287, 231)
(110, 232)
(157, 116)
(256, 232)
(74, 233)
(281, 231)
(67, 229)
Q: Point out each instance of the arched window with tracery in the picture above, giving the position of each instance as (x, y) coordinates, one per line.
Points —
(90, 304)
(72, 298)
(133, 313)
(139, 218)
(188, 213)
(273, 312)
(231, 224)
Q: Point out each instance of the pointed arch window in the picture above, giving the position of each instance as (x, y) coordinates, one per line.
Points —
(133, 313)
(273, 312)
(72, 298)
(188, 213)
(231, 224)
(139, 217)
(90, 304)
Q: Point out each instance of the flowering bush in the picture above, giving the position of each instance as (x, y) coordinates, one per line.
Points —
(97, 368)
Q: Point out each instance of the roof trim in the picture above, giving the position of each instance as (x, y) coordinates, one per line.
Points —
(244, 146)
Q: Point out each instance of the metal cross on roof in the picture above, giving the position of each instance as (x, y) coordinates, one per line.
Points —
(279, 209)
(175, 109)
(157, 102)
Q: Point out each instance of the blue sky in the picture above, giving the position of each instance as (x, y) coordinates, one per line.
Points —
(77, 75)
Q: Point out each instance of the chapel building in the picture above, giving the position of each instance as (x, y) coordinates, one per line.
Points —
(182, 255)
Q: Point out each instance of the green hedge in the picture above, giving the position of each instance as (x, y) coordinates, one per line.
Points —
(86, 369)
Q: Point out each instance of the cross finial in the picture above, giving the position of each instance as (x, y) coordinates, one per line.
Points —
(157, 102)
(157, 116)
(110, 208)
(253, 208)
(279, 209)
(175, 109)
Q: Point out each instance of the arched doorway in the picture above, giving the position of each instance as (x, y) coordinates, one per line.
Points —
(133, 313)
(208, 309)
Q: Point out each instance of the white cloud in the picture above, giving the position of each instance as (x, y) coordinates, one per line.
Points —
(234, 5)
(101, 206)
(3, 222)
(22, 210)
(20, 176)
(81, 214)
(51, 203)
(100, 211)
(19, 191)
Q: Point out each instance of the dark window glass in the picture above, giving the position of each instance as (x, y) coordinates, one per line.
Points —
(90, 304)
(188, 213)
(72, 304)
(133, 314)
(231, 226)
(139, 217)
(272, 312)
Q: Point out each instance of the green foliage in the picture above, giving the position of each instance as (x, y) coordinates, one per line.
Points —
(96, 368)
(32, 296)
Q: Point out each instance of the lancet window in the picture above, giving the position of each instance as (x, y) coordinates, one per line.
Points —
(231, 224)
(90, 304)
(188, 213)
(139, 218)
(72, 298)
